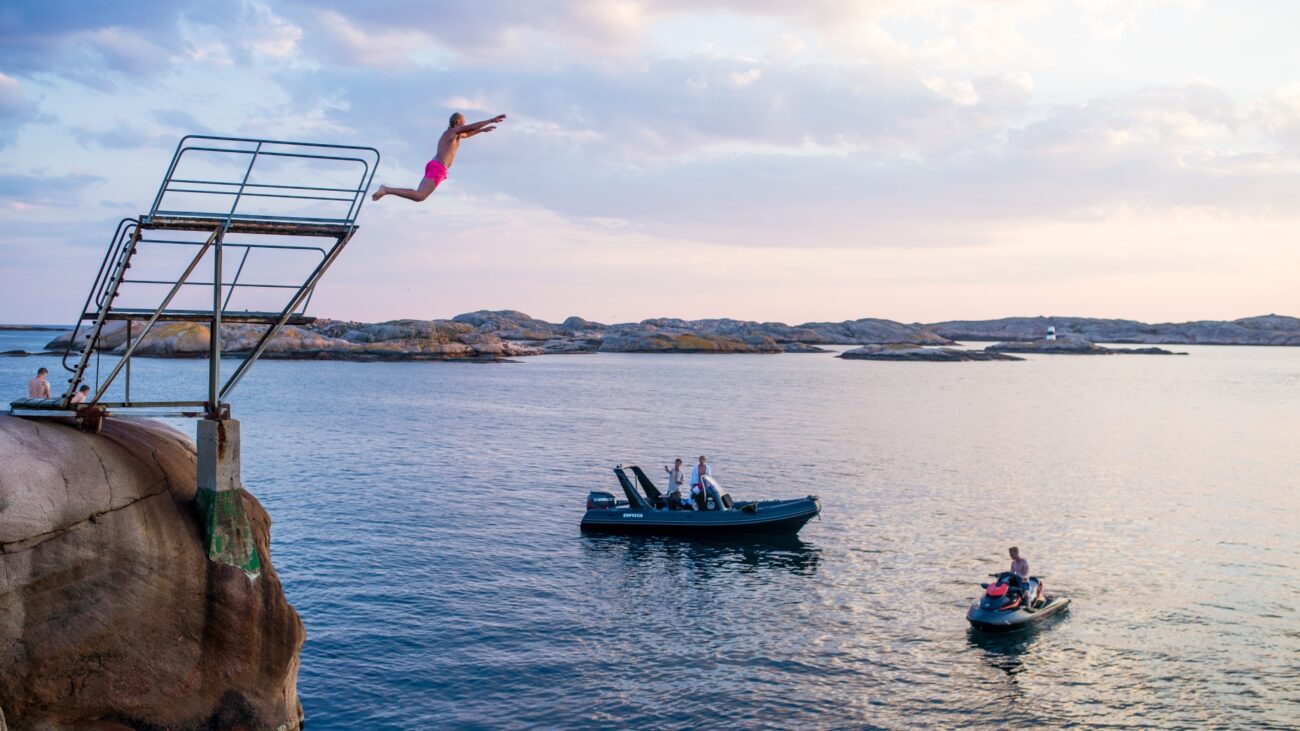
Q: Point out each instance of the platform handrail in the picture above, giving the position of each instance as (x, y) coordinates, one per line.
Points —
(366, 157)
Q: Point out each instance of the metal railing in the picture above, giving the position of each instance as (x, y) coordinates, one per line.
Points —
(192, 148)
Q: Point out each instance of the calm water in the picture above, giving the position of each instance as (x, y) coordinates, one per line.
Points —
(426, 528)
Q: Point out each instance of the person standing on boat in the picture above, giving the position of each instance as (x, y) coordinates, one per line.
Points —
(675, 479)
(698, 492)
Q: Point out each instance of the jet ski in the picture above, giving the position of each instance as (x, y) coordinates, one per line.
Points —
(647, 511)
(1011, 602)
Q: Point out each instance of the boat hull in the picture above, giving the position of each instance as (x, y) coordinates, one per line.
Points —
(987, 620)
(782, 517)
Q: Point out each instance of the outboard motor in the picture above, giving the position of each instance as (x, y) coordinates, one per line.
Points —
(598, 500)
(716, 500)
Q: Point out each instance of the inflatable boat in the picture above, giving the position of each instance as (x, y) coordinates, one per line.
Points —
(646, 510)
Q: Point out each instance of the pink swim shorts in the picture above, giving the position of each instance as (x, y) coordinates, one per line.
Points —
(435, 171)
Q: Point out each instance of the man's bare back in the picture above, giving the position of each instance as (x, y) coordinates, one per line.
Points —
(436, 170)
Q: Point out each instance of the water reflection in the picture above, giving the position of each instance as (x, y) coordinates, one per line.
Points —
(708, 558)
(1004, 651)
(1013, 652)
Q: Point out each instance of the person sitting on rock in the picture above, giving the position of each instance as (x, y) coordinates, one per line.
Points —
(81, 395)
(39, 387)
(436, 170)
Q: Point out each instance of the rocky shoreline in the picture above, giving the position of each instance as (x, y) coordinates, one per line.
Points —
(488, 335)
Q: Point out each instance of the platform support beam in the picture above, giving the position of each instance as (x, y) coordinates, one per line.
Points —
(227, 535)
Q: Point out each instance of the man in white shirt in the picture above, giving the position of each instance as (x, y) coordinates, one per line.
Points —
(675, 478)
(697, 482)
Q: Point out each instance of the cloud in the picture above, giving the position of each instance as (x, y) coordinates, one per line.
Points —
(349, 43)
(15, 109)
(1278, 112)
(759, 128)
(160, 129)
(42, 189)
(101, 45)
(507, 30)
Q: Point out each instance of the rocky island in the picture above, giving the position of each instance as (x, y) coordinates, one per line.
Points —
(1261, 330)
(919, 353)
(1071, 346)
(494, 335)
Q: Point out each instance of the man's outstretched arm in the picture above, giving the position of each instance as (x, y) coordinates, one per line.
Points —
(475, 128)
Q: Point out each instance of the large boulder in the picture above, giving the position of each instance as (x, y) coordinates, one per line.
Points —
(509, 324)
(871, 330)
(651, 341)
(111, 615)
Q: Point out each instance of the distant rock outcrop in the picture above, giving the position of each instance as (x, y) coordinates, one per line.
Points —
(497, 334)
(111, 614)
(649, 341)
(1262, 330)
(870, 330)
(328, 340)
(899, 351)
(1071, 346)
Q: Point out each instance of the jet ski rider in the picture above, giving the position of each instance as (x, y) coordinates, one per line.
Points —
(1019, 566)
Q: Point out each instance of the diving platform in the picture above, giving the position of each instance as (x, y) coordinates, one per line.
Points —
(240, 232)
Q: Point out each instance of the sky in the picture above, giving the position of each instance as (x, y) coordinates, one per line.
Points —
(813, 161)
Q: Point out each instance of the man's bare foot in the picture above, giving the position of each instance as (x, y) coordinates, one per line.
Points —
(383, 191)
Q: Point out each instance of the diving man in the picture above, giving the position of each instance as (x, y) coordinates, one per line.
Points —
(436, 170)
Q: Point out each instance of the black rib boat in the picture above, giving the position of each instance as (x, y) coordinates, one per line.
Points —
(653, 513)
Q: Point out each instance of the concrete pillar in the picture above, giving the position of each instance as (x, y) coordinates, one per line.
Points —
(226, 532)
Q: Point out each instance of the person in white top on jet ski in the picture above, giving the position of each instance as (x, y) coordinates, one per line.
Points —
(1019, 566)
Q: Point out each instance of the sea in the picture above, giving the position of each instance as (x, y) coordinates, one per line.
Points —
(426, 529)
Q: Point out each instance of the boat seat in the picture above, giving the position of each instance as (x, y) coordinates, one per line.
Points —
(37, 403)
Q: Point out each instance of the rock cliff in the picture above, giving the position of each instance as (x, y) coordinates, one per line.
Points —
(111, 616)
